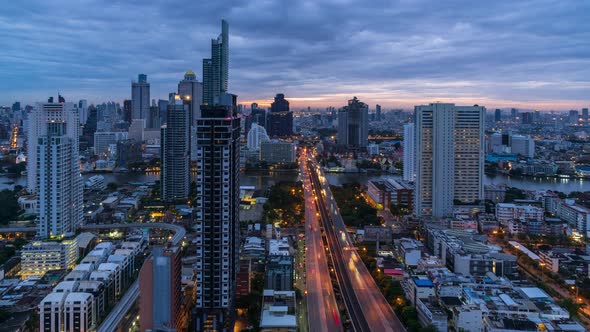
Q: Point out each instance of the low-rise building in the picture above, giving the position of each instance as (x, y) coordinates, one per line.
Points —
(38, 257)
(278, 311)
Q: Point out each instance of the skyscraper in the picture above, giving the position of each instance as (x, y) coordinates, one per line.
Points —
(127, 110)
(585, 115)
(378, 112)
(52, 168)
(175, 159)
(193, 89)
(160, 289)
(498, 115)
(353, 124)
(215, 69)
(409, 157)
(140, 98)
(280, 119)
(216, 208)
(449, 157)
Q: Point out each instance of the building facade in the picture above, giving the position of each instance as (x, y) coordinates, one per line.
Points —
(409, 157)
(53, 172)
(216, 69)
(353, 124)
(280, 119)
(216, 209)
(160, 289)
(176, 151)
(449, 157)
(140, 99)
(191, 89)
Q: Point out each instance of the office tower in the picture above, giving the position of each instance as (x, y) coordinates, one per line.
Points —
(409, 157)
(160, 289)
(127, 110)
(52, 168)
(83, 110)
(585, 115)
(104, 139)
(137, 130)
(449, 157)
(163, 106)
(215, 69)
(513, 114)
(574, 117)
(154, 118)
(378, 112)
(527, 118)
(498, 115)
(16, 106)
(216, 208)
(353, 124)
(280, 119)
(175, 159)
(193, 90)
(140, 98)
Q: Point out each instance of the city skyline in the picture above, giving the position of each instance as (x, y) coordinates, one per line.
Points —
(506, 58)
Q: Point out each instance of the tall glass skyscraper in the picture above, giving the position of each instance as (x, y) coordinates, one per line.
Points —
(353, 124)
(215, 69)
(140, 98)
(449, 152)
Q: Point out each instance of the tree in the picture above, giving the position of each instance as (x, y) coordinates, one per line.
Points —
(9, 209)
(112, 186)
(571, 307)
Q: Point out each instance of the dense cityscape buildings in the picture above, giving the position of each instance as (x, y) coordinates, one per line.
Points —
(176, 208)
(449, 159)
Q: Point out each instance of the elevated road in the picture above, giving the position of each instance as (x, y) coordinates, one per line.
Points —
(367, 307)
(322, 310)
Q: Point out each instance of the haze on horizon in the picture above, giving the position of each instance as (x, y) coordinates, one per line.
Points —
(525, 54)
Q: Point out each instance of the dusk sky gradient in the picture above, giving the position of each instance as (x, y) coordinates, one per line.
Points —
(526, 54)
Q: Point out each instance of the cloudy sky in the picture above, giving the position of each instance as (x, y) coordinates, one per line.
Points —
(528, 54)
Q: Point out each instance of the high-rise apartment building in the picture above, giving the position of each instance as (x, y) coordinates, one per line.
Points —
(140, 98)
(280, 119)
(449, 148)
(53, 172)
(160, 289)
(192, 90)
(216, 208)
(175, 150)
(353, 124)
(127, 111)
(215, 69)
(409, 156)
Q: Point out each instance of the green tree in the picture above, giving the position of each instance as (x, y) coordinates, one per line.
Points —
(9, 208)
(571, 306)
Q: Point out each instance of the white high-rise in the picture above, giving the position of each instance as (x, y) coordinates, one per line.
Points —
(409, 158)
(256, 136)
(52, 168)
(449, 152)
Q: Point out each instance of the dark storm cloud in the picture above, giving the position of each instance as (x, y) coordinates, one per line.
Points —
(497, 53)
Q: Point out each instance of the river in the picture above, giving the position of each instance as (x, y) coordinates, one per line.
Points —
(261, 181)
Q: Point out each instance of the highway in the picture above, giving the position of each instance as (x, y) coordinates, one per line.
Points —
(367, 307)
(111, 322)
(323, 313)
